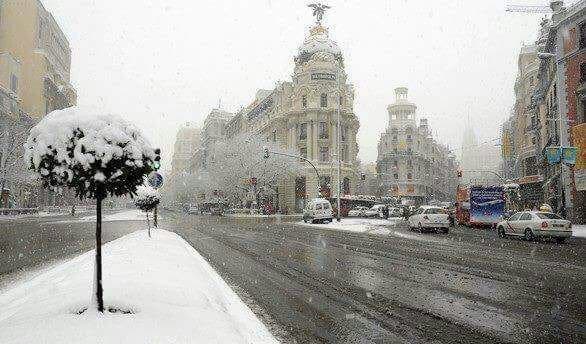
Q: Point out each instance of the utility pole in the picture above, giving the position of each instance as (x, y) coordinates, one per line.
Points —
(338, 145)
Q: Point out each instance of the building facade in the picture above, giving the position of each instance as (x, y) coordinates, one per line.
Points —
(549, 112)
(480, 162)
(30, 36)
(411, 164)
(302, 116)
(187, 143)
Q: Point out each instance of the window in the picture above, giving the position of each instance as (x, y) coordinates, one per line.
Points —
(323, 130)
(396, 176)
(13, 83)
(395, 163)
(303, 132)
(409, 175)
(545, 216)
(324, 154)
(304, 101)
(341, 101)
(323, 101)
(515, 217)
(583, 35)
(409, 138)
(343, 132)
(274, 136)
(525, 217)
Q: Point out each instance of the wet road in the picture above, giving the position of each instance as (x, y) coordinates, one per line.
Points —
(32, 243)
(323, 286)
(312, 285)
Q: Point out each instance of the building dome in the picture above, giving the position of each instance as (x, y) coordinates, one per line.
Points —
(318, 41)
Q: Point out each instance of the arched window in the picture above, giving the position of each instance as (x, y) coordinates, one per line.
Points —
(323, 101)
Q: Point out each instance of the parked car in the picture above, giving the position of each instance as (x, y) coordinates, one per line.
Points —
(395, 212)
(430, 218)
(359, 211)
(534, 224)
(375, 211)
(318, 210)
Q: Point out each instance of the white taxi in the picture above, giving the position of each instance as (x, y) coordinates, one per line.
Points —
(430, 217)
(533, 224)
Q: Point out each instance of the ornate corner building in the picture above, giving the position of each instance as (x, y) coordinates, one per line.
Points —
(302, 115)
(411, 165)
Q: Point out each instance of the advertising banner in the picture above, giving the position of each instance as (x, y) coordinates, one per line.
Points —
(487, 204)
(569, 155)
(553, 155)
(579, 141)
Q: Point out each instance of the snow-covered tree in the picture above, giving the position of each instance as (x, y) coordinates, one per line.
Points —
(13, 133)
(93, 153)
(234, 163)
(147, 199)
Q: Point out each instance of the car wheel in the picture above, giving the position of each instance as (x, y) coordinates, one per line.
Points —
(560, 240)
(501, 232)
(313, 221)
(529, 235)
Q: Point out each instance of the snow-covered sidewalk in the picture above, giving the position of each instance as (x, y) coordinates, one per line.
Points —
(175, 295)
(359, 225)
(124, 215)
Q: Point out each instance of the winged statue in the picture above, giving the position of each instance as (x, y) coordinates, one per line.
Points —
(318, 11)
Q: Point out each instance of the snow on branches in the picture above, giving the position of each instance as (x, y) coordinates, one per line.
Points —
(92, 152)
(234, 163)
(146, 198)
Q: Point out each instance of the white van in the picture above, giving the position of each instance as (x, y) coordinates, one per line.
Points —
(318, 210)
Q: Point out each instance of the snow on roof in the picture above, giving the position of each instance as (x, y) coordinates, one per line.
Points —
(318, 40)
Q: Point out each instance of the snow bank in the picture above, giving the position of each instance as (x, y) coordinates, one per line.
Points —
(175, 295)
(359, 225)
(127, 215)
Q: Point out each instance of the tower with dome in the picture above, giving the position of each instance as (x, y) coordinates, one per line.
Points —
(301, 115)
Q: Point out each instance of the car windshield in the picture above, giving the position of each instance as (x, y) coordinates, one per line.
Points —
(546, 216)
(286, 171)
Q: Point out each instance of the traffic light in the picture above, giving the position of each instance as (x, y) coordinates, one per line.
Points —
(266, 152)
(157, 160)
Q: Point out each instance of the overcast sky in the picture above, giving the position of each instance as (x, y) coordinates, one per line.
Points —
(164, 63)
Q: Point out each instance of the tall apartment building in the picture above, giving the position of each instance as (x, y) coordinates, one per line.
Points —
(213, 130)
(187, 143)
(549, 111)
(411, 165)
(38, 57)
(480, 162)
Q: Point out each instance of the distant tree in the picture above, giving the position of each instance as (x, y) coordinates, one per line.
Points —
(94, 154)
(147, 199)
(13, 133)
(236, 162)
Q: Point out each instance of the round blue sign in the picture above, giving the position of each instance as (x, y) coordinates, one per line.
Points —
(155, 180)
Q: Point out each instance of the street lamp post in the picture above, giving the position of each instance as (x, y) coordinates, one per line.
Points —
(267, 153)
(338, 142)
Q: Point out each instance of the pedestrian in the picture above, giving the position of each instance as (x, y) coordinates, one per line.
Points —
(73, 210)
(386, 212)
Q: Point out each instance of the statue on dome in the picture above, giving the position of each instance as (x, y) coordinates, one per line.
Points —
(318, 11)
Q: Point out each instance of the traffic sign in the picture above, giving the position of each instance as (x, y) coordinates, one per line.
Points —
(155, 180)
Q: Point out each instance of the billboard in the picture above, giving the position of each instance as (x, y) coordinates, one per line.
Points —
(487, 204)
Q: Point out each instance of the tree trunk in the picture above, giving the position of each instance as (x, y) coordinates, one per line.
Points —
(99, 292)
(148, 224)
